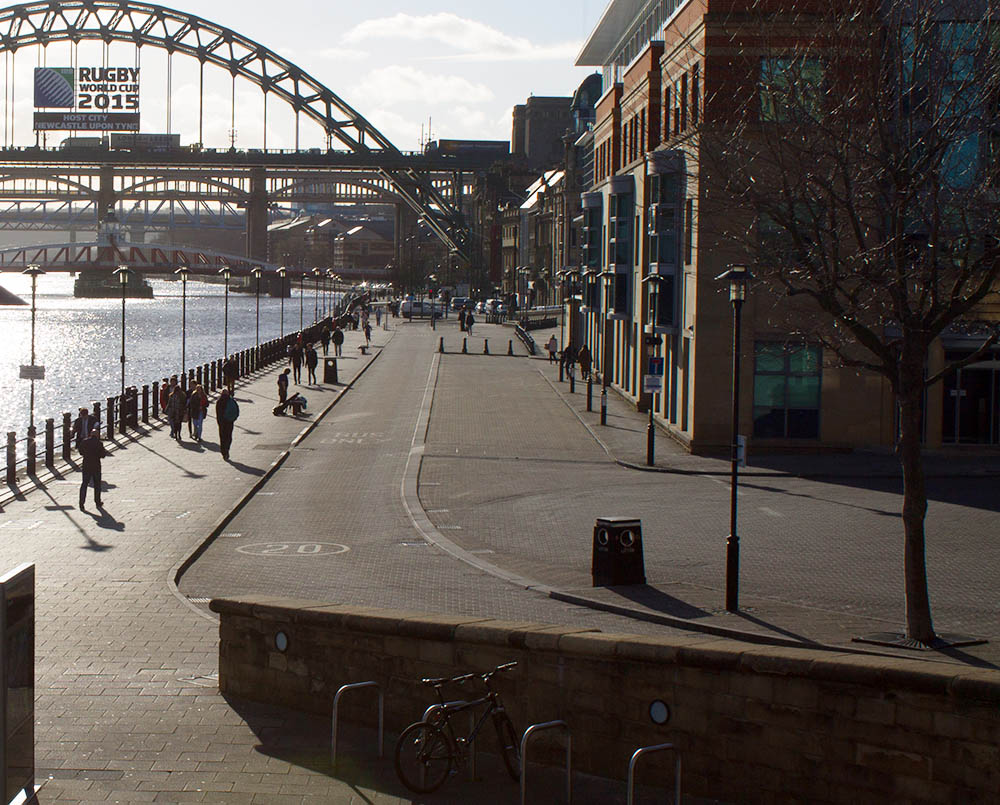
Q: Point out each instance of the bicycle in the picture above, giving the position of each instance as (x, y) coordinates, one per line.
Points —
(428, 752)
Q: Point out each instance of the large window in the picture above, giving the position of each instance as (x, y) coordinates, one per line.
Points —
(620, 235)
(663, 223)
(790, 89)
(786, 391)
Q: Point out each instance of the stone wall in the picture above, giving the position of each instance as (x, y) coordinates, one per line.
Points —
(753, 723)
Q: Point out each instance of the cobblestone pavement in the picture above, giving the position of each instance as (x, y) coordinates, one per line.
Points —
(511, 479)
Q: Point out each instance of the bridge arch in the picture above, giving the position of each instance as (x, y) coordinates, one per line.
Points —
(43, 23)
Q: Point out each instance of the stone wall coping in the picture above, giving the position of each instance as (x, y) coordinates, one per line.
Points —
(867, 670)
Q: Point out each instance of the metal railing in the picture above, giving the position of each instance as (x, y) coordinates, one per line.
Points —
(533, 730)
(648, 750)
(381, 718)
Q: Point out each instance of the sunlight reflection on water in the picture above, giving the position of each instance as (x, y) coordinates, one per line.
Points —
(79, 340)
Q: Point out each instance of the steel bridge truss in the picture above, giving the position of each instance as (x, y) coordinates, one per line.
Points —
(159, 215)
(44, 23)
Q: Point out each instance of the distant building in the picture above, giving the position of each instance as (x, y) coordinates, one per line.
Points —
(363, 252)
(538, 127)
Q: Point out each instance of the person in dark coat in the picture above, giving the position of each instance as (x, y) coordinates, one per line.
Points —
(229, 372)
(283, 385)
(226, 412)
(324, 338)
(92, 450)
(295, 357)
(312, 361)
(338, 342)
(82, 426)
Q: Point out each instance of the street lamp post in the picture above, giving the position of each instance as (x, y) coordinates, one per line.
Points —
(282, 272)
(562, 316)
(226, 273)
(183, 272)
(738, 277)
(302, 290)
(32, 271)
(607, 279)
(122, 272)
(257, 271)
(317, 273)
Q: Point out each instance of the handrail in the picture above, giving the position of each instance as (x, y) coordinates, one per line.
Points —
(336, 704)
(535, 728)
(430, 711)
(646, 750)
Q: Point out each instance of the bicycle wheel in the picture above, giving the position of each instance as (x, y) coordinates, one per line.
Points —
(510, 746)
(423, 757)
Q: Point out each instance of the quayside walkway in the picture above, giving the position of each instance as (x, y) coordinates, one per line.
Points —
(463, 484)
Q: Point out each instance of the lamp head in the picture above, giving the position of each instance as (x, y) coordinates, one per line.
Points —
(282, 272)
(257, 271)
(226, 272)
(183, 271)
(123, 272)
(739, 277)
(33, 270)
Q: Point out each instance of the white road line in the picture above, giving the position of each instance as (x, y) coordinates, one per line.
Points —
(771, 512)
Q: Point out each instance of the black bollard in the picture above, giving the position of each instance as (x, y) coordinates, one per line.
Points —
(510, 347)
(212, 376)
(145, 404)
(572, 382)
(486, 346)
(441, 345)
(67, 429)
(50, 443)
(191, 380)
(11, 457)
(465, 346)
(97, 414)
(561, 367)
(604, 405)
(650, 436)
(31, 450)
(123, 413)
(590, 393)
(198, 376)
(109, 415)
(156, 399)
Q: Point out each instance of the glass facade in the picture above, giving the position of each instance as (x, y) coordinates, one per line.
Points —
(786, 391)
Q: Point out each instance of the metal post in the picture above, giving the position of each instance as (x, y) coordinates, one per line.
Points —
(156, 399)
(109, 416)
(336, 705)
(31, 450)
(11, 457)
(590, 392)
(67, 427)
(302, 290)
(123, 284)
(50, 443)
(145, 403)
(122, 413)
(733, 543)
(225, 334)
(528, 733)
(645, 750)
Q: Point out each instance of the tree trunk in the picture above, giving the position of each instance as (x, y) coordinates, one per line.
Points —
(919, 624)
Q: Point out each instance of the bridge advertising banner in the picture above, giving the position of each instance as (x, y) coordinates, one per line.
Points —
(102, 98)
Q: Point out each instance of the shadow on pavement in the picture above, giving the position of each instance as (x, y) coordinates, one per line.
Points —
(106, 520)
(246, 468)
(659, 601)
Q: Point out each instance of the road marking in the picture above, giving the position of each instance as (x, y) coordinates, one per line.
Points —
(771, 512)
(449, 528)
(438, 511)
(182, 515)
(294, 549)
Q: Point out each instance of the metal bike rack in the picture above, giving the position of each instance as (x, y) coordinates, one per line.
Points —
(336, 704)
(535, 728)
(646, 750)
(430, 711)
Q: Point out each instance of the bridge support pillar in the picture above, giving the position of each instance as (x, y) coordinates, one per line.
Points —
(257, 216)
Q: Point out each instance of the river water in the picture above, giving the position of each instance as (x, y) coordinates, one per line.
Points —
(78, 341)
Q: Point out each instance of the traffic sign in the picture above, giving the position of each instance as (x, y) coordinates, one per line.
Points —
(655, 367)
(652, 384)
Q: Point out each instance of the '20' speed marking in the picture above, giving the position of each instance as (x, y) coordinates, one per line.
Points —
(294, 549)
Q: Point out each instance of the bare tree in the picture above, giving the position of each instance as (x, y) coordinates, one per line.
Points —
(853, 150)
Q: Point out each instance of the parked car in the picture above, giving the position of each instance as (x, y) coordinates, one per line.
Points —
(480, 307)
(458, 302)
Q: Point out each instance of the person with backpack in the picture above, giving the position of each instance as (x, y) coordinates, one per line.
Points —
(227, 411)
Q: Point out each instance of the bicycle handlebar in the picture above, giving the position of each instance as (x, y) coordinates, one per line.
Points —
(458, 680)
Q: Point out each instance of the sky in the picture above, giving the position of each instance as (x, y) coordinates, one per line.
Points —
(454, 67)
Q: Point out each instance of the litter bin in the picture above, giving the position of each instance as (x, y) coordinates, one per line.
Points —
(330, 370)
(617, 557)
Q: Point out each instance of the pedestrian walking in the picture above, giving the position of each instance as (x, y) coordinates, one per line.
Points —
(583, 358)
(312, 361)
(296, 360)
(324, 339)
(164, 394)
(230, 371)
(469, 321)
(92, 450)
(338, 342)
(227, 411)
(176, 407)
(283, 385)
(552, 347)
(569, 357)
(378, 317)
(197, 405)
(82, 426)
(368, 333)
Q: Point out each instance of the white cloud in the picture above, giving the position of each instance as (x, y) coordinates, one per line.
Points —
(469, 40)
(399, 84)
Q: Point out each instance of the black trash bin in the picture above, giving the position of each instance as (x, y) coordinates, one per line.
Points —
(617, 557)
(330, 370)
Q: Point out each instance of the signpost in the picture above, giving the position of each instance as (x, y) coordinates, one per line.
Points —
(32, 372)
(17, 683)
(652, 383)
